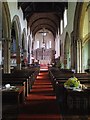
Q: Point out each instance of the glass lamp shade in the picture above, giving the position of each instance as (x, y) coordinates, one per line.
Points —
(44, 33)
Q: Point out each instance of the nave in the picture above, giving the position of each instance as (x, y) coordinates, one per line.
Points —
(35, 34)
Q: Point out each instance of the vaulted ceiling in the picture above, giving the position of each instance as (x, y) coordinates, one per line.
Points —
(41, 15)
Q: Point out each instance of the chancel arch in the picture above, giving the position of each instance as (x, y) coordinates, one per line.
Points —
(44, 46)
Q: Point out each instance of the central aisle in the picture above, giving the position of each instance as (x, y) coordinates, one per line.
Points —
(41, 103)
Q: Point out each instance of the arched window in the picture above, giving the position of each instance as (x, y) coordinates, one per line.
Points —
(50, 44)
(65, 17)
(38, 44)
(61, 26)
(13, 42)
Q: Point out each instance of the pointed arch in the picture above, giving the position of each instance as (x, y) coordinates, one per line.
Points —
(6, 34)
(6, 21)
(24, 39)
(17, 28)
(81, 37)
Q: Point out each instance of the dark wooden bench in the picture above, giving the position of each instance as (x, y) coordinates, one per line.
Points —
(25, 75)
(73, 101)
(17, 82)
(62, 77)
(12, 99)
(31, 74)
(76, 102)
(20, 76)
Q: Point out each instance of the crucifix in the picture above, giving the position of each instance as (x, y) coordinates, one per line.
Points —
(44, 33)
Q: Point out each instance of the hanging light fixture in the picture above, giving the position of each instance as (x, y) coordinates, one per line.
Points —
(44, 33)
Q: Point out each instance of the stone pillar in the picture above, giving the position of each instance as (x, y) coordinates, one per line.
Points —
(73, 52)
(6, 55)
(72, 62)
(79, 55)
(18, 57)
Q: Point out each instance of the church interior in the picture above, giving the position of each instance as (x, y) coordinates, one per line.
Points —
(45, 60)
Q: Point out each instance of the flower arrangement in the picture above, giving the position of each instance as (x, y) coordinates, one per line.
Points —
(72, 82)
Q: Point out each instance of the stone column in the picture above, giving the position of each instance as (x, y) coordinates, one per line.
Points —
(18, 57)
(73, 52)
(6, 55)
(79, 55)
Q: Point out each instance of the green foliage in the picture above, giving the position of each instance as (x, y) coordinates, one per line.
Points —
(72, 82)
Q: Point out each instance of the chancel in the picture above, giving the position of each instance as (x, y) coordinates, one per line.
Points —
(45, 60)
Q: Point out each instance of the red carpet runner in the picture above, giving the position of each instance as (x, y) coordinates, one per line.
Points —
(41, 102)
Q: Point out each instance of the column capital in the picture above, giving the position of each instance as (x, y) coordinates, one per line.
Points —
(6, 39)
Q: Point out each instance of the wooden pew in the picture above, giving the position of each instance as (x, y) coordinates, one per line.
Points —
(17, 82)
(12, 99)
(58, 76)
(70, 101)
(31, 74)
(27, 75)
(19, 75)
(19, 78)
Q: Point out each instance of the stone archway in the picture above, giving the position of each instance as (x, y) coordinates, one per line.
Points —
(85, 35)
(17, 28)
(81, 35)
(6, 35)
(67, 52)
